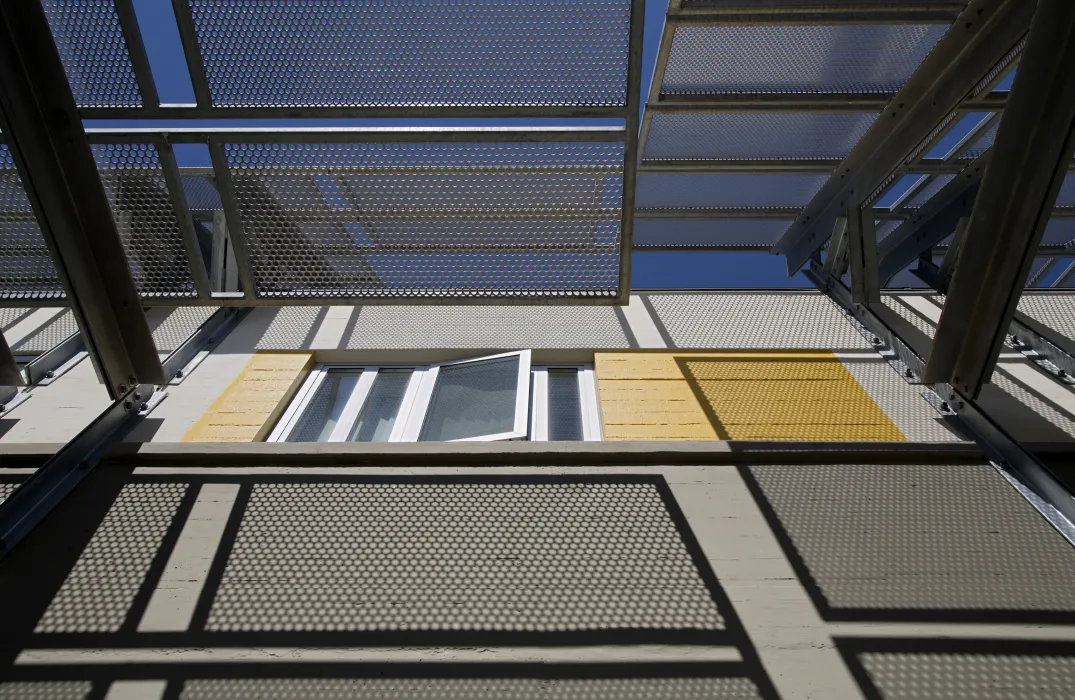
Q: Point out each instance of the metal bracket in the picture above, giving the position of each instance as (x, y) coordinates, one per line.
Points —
(185, 358)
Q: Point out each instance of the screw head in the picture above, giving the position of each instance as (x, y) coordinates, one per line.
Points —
(143, 406)
(50, 374)
(945, 407)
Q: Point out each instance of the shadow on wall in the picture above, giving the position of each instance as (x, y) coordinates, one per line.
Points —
(810, 397)
(318, 564)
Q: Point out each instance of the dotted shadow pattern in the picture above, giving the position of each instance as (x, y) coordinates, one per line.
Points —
(917, 542)
(447, 555)
(991, 669)
(472, 689)
(109, 574)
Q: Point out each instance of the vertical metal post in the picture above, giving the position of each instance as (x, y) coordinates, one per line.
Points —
(53, 156)
(862, 247)
(174, 182)
(630, 152)
(132, 36)
(231, 215)
(1030, 159)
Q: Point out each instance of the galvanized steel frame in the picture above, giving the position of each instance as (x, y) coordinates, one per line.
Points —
(981, 40)
(54, 160)
(1030, 158)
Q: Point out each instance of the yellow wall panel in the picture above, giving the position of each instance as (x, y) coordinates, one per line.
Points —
(250, 405)
(736, 396)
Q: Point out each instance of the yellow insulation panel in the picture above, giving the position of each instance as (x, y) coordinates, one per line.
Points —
(736, 396)
(249, 407)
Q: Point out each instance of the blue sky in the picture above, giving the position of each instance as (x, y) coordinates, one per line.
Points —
(650, 270)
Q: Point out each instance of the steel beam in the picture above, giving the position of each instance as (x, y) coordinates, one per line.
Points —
(1030, 158)
(53, 156)
(52, 363)
(981, 39)
(862, 256)
(829, 12)
(932, 222)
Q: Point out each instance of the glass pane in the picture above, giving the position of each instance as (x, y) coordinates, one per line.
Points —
(565, 405)
(473, 399)
(320, 416)
(379, 413)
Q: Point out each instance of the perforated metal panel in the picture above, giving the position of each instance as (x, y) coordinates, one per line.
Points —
(201, 194)
(927, 191)
(26, 269)
(766, 135)
(728, 232)
(443, 556)
(365, 53)
(982, 143)
(1066, 198)
(849, 58)
(93, 51)
(720, 190)
(423, 219)
(147, 223)
(981, 675)
(922, 537)
(1058, 232)
(755, 321)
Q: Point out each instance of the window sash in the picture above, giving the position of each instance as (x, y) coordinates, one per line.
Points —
(590, 411)
(424, 395)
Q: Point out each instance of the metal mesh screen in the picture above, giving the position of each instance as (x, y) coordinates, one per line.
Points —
(720, 190)
(26, 270)
(929, 190)
(762, 233)
(147, 223)
(366, 53)
(774, 135)
(1066, 198)
(850, 58)
(94, 53)
(422, 219)
(982, 143)
(564, 405)
(201, 193)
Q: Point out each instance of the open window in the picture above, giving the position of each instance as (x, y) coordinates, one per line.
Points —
(484, 398)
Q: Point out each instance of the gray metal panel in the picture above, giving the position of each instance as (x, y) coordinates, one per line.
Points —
(428, 327)
(356, 53)
(755, 321)
(980, 675)
(26, 269)
(1054, 310)
(445, 556)
(94, 53)
(48, 336)
(926, 192)
(146, 220)
(400, 219)
(678, 688)
(172, 327)
(853, 58)
(738, 136)
(721, 190)
(924, 537)
(109, 574)
(901, 402)
(760, 234)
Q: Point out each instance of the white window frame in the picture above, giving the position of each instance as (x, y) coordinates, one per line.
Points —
(424, 394)
(351, 408)
(414, 405)
(539, 407)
